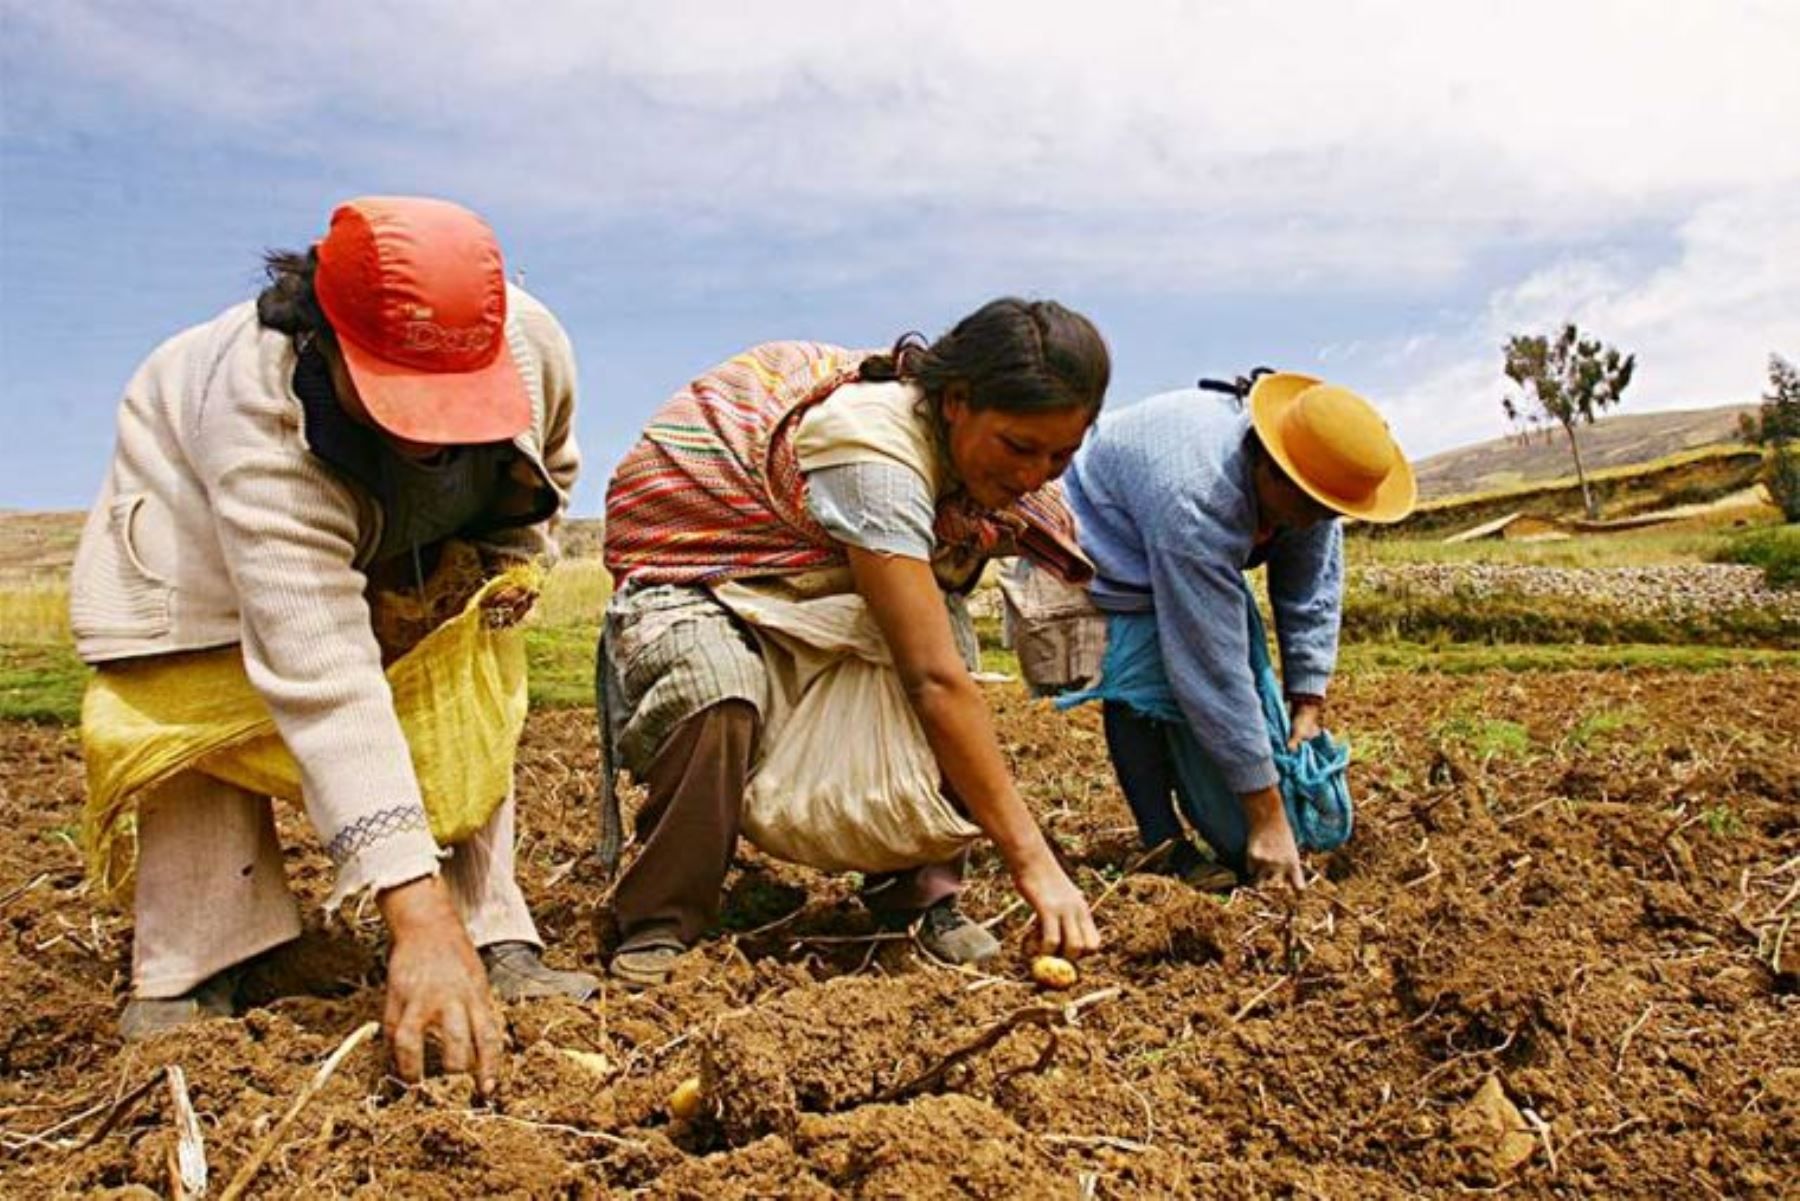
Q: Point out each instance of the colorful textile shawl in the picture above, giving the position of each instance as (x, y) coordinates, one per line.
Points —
(713, 490)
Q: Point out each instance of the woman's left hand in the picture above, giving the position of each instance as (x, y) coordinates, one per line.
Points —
(507, 605)
(1306, 720)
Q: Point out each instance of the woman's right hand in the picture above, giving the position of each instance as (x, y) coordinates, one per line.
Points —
(437, 985)
(1065, 924)
(904, 598)
(1271, 855)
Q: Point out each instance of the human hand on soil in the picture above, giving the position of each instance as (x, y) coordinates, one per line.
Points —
(1065, 925)
(436, 986)
(1271, 854)
(1306, 720)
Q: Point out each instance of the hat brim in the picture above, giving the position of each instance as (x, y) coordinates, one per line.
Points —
(1270, 399)
(441, 408)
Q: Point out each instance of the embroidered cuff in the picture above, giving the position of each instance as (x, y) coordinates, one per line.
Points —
(380, 850)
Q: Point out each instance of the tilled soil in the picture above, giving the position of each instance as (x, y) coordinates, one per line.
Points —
(1576, 890)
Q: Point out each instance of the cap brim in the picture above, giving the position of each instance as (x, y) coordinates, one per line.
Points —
(441, 408)
(1272, 396)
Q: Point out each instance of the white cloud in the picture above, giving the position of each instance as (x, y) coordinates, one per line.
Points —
(1380, 148)
(1536, 116)
(1702, 325)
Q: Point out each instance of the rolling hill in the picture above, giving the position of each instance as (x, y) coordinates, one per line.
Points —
(33, 545)
(1620, 441)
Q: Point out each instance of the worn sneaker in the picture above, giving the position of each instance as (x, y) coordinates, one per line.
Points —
(517, 972)
(646, 957)
(1198, 868)
(948, 933)
(214, 997)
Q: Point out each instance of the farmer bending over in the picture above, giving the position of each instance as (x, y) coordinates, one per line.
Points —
(387, 391)
(1175, 499)
(787, 653)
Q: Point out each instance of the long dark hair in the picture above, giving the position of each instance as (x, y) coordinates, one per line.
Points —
(288, 304)
(1014, 355)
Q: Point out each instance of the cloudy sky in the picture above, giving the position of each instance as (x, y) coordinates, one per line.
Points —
(1378, 192)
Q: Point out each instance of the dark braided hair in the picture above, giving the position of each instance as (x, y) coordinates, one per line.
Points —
(288, 304)
(1013, 355)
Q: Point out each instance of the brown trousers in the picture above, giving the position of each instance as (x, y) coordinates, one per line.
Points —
(688, 831)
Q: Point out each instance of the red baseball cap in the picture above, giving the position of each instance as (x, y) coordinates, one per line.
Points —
(415, 290)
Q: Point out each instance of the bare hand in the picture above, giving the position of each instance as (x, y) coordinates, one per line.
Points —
(507, 606)
(1271, 854)
(1065, 925)
(437, 986)
(1306, 720)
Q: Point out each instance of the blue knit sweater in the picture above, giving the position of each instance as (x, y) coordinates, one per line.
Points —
(1163, 498)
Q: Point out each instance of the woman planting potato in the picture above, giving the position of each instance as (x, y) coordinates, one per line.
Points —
(786, 653)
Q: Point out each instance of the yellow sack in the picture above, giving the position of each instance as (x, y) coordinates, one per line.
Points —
(460, 695)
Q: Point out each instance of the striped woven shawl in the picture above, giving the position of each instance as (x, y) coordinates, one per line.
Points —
(713, 490)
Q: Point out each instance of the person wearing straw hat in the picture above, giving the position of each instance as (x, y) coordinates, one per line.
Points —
(1175, 498)
(387, 394)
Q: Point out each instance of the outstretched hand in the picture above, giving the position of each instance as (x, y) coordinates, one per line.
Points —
(1270, 854)
(437, 987)
(507, 605)
(1065, 923)
(1306, 720)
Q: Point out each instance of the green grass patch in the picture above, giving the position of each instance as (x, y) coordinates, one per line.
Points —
(561, 662)
(561, 638)
(575, 594)
(1487, 737)
(1471, 614)
(1603, 725)
(41, 679)
(1721, 822)
(1775, 550)
(1645, 548)
(994, 656)
(40, 682)
(1469, 659)
(999, 659)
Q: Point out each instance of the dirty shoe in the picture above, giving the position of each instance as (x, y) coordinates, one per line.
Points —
(214, 997)
(1199, 868)
(946, 932)
(517, 972)
(646, 957)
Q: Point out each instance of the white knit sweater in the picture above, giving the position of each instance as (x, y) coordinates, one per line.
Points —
(216, 525)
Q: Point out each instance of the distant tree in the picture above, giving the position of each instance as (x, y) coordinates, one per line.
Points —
(1777, 426)
(1565, 381)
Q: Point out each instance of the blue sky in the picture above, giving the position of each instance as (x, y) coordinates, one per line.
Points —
(1374, 192)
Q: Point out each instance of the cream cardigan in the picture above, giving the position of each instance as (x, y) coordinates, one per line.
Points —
(216, 525)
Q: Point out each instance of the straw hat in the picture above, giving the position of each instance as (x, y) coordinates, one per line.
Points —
(1334, 446)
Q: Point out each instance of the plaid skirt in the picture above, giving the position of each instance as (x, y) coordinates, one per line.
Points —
(672, 650)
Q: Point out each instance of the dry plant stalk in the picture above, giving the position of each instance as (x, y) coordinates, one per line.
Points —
(1047, 1017)
(120, 1109)
(264, 1149)
(187, 1157)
